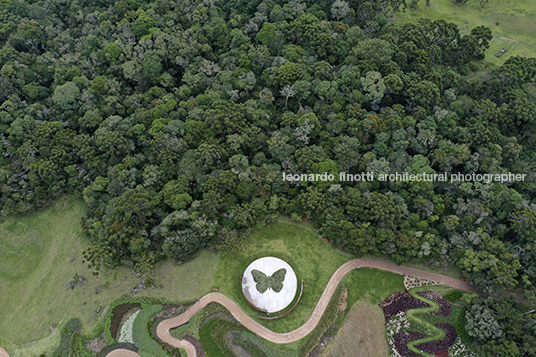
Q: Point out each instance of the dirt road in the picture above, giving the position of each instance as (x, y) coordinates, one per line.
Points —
(165, 326)
(302, 331)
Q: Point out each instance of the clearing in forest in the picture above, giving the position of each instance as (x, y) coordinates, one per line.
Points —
(508, 20)
(41, 254)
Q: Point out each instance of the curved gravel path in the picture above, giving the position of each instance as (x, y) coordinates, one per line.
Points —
(165, 326)
(3, 353)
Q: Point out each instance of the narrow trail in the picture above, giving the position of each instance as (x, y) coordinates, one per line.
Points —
(165, 326)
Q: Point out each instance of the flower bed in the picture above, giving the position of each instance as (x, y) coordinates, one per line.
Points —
(460, 349)
(401, 340)
(444, 305)
(117, 315)
(399, 302)
(412, 282)
(434, 347)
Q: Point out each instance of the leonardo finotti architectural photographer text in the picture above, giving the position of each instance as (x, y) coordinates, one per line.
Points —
(406, 177)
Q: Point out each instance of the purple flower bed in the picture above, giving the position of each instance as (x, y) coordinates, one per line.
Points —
(444, 305)
(401, 340)
(399, 302)
(439, 345)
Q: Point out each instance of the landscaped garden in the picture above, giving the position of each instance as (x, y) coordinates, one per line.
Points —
(57, 295)
(36, 298)
(421, 322)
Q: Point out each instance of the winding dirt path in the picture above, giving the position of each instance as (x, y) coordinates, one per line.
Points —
(165, 326)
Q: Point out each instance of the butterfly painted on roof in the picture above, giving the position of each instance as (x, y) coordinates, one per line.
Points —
(275, 281)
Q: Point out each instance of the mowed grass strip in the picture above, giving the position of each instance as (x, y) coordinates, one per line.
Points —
(361, 335)
(513, 23)
(35, 297)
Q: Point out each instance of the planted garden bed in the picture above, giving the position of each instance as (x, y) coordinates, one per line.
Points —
(399, 302)
(401, 340)
(434, 347)
(444, 305)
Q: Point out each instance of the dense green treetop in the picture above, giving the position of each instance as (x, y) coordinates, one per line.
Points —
(176, 120)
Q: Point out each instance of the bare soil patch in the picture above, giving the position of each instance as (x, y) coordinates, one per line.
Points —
(362, 335)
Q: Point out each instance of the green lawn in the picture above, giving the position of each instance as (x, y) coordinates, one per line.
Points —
(513, 20)
(313, 261)
(43, 254)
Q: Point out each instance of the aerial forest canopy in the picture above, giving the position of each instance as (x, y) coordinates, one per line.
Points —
(175, 121)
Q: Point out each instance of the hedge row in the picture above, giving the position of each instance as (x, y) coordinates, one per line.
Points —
(110, 339)
(141, 336)
(69, 337)
(209, 345)
(324, 324)
(212, 308)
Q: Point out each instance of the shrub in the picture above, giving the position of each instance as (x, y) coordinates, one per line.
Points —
(270, 350)
(249, 346)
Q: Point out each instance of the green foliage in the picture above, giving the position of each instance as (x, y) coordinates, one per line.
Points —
(266, 34)
(210, 346)
(66, 95)
(142, 24)
(113, 51)
(140, 332)
(182, 114)
(274, 281)
(151, 68)
(327, 319)
(143, 302)
(453, 296)
(69, 337)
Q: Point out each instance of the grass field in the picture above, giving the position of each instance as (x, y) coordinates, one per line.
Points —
(362, 335)
(512, 22)
(35, 295)
(313, 261)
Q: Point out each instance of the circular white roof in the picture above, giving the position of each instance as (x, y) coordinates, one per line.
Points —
(263, 292)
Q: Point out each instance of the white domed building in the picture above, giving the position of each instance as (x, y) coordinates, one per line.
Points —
(269, 284)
